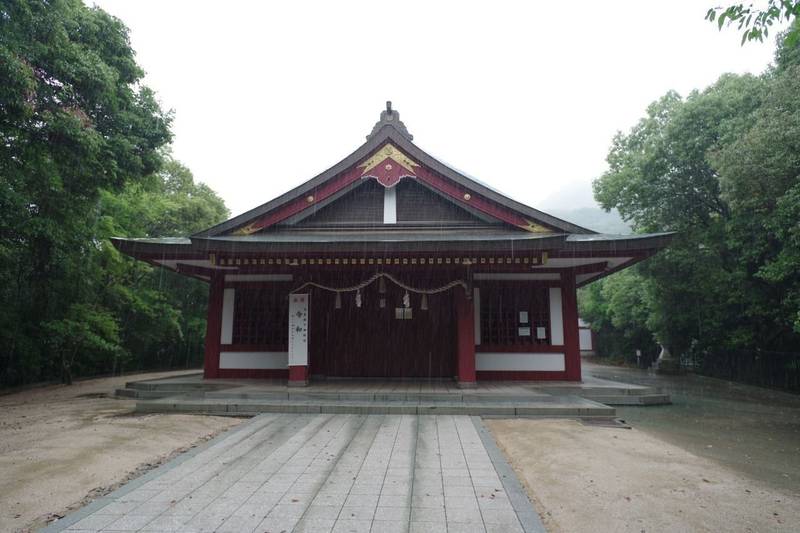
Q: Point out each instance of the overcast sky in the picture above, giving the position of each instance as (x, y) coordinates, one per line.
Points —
(525, 96)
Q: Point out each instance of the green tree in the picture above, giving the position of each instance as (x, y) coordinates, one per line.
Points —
(74, 120)
(760, 179)
(162, 314)
(618, 309)
(720, 167)
(787, 53)
(83, 334)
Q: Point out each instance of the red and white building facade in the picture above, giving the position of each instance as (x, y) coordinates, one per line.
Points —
(391, 264)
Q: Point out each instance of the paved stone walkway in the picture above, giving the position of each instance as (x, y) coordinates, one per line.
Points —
(340, 473)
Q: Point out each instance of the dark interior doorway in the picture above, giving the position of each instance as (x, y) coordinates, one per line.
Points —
(382, 342)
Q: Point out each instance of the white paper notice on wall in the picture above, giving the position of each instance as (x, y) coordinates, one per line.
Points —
(298, 329)
(524, 332)
(541, 333)
(523, 317)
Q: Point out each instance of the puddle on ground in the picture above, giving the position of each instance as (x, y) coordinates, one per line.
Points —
(93, 395)
(752, 430)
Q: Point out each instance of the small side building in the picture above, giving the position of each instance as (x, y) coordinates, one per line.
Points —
(391, 264)
(586, 338)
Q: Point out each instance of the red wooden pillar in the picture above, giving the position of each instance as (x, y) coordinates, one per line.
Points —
(569, 306)
(216, 291)
(465, 319)
(298, 375)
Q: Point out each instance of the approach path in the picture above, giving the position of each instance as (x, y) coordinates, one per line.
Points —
(353, 473)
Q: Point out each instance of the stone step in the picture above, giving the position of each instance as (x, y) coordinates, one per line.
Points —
(565, 407)
(644, 396)
(639, 399)
(211, 386)
(352, 396)
(299, 395)
(155, 394)
(603, 391)
(182, 387)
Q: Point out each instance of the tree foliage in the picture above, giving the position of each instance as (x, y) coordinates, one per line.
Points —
(755, 22)
(722, 168)
(618, 310)
(82, 159)
(162, 313)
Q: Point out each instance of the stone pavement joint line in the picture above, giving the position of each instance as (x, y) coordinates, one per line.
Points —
(325, 473)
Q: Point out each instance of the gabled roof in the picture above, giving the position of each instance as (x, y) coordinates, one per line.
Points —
(494, 233)
(390, 138)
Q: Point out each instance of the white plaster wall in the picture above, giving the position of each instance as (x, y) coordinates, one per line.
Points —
(585, 337)
(546, 362)
(556, 317)
(254, 360)
(228, 297)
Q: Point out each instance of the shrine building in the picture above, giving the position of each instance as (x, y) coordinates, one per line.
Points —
(391, 264)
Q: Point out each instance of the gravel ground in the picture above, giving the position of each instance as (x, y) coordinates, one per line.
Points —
(62, 446)
(586, 478)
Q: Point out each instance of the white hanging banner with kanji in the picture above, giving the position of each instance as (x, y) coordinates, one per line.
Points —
(298, 330)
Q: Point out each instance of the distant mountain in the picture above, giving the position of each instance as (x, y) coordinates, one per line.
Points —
(594, 218)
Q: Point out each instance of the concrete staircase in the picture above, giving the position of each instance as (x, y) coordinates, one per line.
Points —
(191, 394)
(580, 408)
(224, 399)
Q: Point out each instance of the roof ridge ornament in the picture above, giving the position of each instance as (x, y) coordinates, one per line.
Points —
(390, 117)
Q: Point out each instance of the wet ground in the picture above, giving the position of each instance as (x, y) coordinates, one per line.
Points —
(751, 430)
